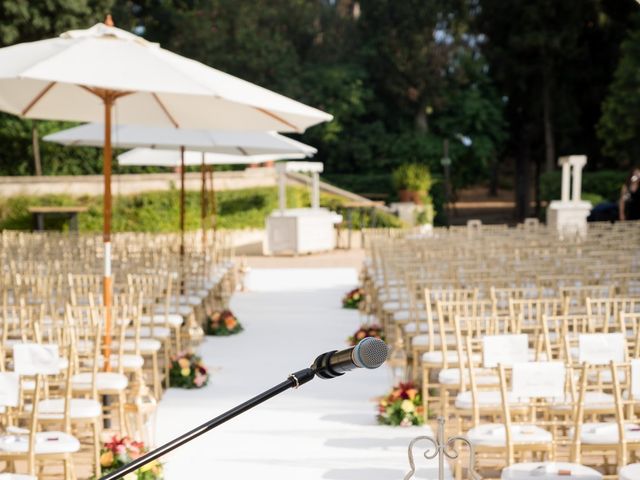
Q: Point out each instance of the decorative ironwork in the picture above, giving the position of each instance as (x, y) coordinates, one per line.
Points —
(441, 449)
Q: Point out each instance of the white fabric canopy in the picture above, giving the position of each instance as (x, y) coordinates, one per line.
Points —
(63, 79)
(147, 157)
(133, 136)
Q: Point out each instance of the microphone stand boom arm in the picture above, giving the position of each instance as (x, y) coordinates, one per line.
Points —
(294, 380)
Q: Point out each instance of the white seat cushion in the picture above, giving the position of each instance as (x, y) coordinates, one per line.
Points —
(494, 435)
(550, 471)
(630, 472)
(605, 376)
(422, 340)
(105, 382)
(436, 357)
(146, 345)
(486, 399)
(592, 400)
(607, 433)
(16, 476)
(80, 408)
(184, 310)
(46, 443)
(161, 333)
(390, 307)
(406, 315)
(192, 300)
(422, 327)
(172, 319)
(451, 376)
(128, 361)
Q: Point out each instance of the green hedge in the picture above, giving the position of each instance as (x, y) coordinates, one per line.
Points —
(160, 211)
(602, 185)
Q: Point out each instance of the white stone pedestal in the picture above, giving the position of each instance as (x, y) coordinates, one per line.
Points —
(406, 211)
(568, 218)
(301, 230)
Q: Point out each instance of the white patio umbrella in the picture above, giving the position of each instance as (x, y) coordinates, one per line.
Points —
(105, 73)
(228, 147)
(147, 157)
(170, 138)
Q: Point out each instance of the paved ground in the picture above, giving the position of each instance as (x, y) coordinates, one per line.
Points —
(325, 430)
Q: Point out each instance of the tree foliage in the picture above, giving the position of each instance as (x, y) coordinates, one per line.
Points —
(619, 127)
(507, 84)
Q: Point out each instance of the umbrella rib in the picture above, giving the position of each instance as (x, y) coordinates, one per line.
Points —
(278, 118)
(37, 98)
(164, 109)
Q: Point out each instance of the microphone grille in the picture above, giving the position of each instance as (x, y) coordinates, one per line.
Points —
(370, 353)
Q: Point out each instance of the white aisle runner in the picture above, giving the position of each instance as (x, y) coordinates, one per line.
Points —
(324, 430)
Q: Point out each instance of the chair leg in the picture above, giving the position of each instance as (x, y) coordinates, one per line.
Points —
(177, 333)
(96, 446)
(121, 416)
(157, 388)
(425, 393)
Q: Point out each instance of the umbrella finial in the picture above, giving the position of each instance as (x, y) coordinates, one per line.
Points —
(108, 21)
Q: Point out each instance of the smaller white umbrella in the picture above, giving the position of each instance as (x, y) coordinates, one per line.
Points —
(149, 157)
(169, 138)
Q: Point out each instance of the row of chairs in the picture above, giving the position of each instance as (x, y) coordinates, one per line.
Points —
(484, 313)
(51, 298)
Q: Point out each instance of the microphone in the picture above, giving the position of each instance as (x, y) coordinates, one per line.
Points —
(369, 353)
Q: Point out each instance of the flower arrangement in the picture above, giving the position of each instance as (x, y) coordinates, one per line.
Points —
(222, 323)
(122, 450)
(353, 298)
(188, 371)
(402, 407)
(366, 330)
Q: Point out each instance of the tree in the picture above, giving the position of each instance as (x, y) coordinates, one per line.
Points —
(541, 55)
(28, 21)
(410, 46)
(619, 127)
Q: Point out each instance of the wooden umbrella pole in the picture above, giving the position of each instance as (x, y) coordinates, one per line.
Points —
(214, 206)
(181, 201)
(203, 204)
(107, 281)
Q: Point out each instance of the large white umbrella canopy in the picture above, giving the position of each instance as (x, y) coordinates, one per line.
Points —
(66, 78)
(170, 138)
(149, 157)
(107, 74)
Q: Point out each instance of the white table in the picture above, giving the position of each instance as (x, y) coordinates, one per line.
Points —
(301, 230)
(549, 471)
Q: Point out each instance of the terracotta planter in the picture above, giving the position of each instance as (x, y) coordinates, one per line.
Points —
(410, 196)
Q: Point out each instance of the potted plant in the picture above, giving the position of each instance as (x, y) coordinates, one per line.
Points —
(413, 181)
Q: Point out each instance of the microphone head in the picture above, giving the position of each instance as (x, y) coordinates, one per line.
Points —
(370, 353)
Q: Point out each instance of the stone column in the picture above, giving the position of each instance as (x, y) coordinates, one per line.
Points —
(566, 176)
(315, 190)
(577, 162)
(282, 190)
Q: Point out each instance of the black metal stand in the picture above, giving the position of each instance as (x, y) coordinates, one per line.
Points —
(294, 381)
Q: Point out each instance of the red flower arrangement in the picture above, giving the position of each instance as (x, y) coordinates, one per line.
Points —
(122, 450)
(373, 330)
(188, 371)
(222, 323)
(353, 298)
(402, 406)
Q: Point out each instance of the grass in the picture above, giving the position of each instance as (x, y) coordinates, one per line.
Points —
(160, 211)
